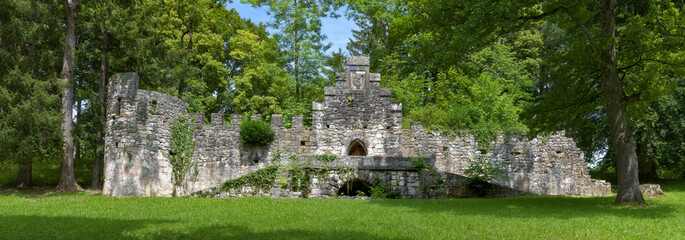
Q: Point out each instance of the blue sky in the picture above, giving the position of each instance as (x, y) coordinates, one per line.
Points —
(338, 31)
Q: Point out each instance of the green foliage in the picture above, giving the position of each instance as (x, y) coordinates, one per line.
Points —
(256, 133)
(481, 171)
(326, 158)
(419, 164)
(261, 180)
(484, 137)
(263, 86)
(182, 149)
(381, 190)
(30, 58)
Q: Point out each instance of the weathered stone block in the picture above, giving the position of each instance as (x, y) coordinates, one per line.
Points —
(276, 120)
(357, 61)
(217, 119)
(236, 119)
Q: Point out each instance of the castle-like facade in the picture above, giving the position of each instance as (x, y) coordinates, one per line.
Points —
(357, 123)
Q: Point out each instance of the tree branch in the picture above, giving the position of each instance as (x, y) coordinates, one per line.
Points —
(587, 33)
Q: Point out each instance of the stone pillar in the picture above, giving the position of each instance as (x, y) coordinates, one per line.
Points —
(236, 119)
(374, 80)
(298, 122)
(199, 119)
(317, 115)
(276, 121)
(217, 119)
(340, 79)
(396, 115)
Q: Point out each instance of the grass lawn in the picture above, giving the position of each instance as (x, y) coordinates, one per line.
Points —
(83, 216)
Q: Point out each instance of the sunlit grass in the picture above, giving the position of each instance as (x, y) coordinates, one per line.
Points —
(82, 216)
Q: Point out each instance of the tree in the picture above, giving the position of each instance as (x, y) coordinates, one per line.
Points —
(301, 39)
(262, 87)
(647, 35)
(29, 95)
(67, 180)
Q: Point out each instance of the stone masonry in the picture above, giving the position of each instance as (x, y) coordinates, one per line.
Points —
(357, 122)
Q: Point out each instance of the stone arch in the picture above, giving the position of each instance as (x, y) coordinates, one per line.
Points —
(357, 148)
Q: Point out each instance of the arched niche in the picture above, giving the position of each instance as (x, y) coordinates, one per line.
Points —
(357, 148)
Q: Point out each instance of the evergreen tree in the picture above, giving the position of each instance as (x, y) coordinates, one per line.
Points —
(29, 95)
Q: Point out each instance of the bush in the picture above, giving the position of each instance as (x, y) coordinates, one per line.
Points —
(256, 133)
(480, 172)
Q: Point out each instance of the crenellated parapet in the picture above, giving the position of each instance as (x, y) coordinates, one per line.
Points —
(357, 122)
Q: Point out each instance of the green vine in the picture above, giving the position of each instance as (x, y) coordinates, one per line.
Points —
(261, 180)
(182, 149)
(326, 158)
(484, 138)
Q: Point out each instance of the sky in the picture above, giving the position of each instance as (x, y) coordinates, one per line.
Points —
(338, 31)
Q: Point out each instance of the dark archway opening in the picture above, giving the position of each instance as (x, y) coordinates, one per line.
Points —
(355, 187)
(357, 148)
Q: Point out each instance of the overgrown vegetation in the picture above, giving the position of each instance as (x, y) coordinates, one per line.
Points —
(480, 172)
(261, 180)
(182, 149)
(427, 185)
(257, 133)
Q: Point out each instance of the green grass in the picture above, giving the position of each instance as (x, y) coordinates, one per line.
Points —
(46, 174)
(82, 216)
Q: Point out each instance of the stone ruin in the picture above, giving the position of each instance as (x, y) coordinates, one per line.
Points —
(357, 123)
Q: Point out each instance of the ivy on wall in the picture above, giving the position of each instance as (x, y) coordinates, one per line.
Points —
(182, 149)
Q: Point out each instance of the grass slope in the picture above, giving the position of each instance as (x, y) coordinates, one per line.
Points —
(82, 216)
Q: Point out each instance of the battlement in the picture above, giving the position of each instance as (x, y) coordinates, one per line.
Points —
(357, 122)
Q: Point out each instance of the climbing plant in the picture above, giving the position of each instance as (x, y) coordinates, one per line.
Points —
(182, 149)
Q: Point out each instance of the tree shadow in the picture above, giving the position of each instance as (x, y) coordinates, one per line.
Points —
(218, 231)
(61, 227)
(559, 207)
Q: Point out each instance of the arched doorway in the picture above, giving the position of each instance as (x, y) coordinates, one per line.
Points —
(357, 148)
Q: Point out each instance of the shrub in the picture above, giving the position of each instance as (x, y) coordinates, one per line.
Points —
(419, 164)
(256, 133)
(480, 172)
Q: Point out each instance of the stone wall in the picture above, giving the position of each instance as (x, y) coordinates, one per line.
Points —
(356, 115)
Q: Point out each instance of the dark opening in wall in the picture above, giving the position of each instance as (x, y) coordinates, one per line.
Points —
(302, 143)
(153, 107)
(354, 187)
(357, 148)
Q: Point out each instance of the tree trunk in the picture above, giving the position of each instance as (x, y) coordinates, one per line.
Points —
(67, 180)
(99, 150)
(25, 176)
(77, 139)
(616, 103)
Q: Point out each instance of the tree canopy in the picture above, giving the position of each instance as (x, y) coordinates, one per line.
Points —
(610, 73)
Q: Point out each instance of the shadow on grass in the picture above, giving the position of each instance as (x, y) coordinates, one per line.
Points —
(48, 227)
(559, 207)
(240, 232)
(51, 227)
